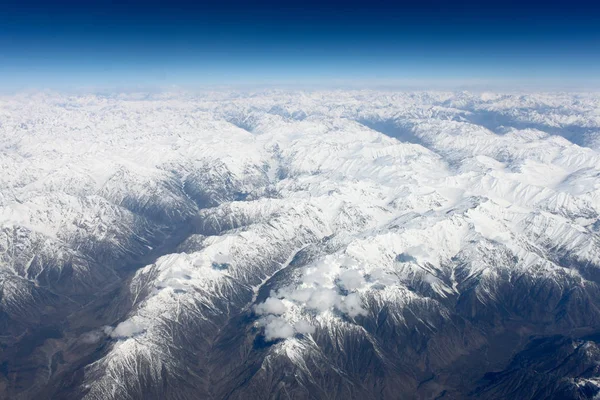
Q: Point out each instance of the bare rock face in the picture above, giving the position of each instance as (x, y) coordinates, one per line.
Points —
(317, 245)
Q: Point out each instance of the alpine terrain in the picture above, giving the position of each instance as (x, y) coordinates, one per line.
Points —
(300, 245)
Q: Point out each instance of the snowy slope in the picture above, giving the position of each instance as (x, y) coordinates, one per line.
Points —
(326, 244)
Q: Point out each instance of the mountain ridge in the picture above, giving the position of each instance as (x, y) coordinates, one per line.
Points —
(299, 244)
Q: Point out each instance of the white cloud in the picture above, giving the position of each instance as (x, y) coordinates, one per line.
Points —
(351, 279)
(322, 299)
(300, 295)
(352, 305)
(270, 306)
(128, 328)
(92, 337)
(107, 330)
(303, 326)
(277, 328)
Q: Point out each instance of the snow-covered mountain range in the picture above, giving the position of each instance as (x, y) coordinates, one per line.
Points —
(284, 244)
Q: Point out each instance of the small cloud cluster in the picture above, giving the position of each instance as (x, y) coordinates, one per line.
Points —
(279, 328)
(322, 299)
(304, 327)
(92, 337)
(324, 287)
(351, 279)
(276, 328)
(327, 287)
(271, 306)
(126, 329)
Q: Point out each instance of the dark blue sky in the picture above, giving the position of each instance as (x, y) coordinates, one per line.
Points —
(102, 43)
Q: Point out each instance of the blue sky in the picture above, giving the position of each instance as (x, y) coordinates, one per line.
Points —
(60, 44)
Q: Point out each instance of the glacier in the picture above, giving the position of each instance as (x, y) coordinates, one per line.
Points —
(300, 244)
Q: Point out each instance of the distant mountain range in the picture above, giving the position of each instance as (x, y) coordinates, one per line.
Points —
(300, 245)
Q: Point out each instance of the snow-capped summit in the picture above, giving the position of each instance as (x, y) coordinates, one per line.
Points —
(352, 244)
